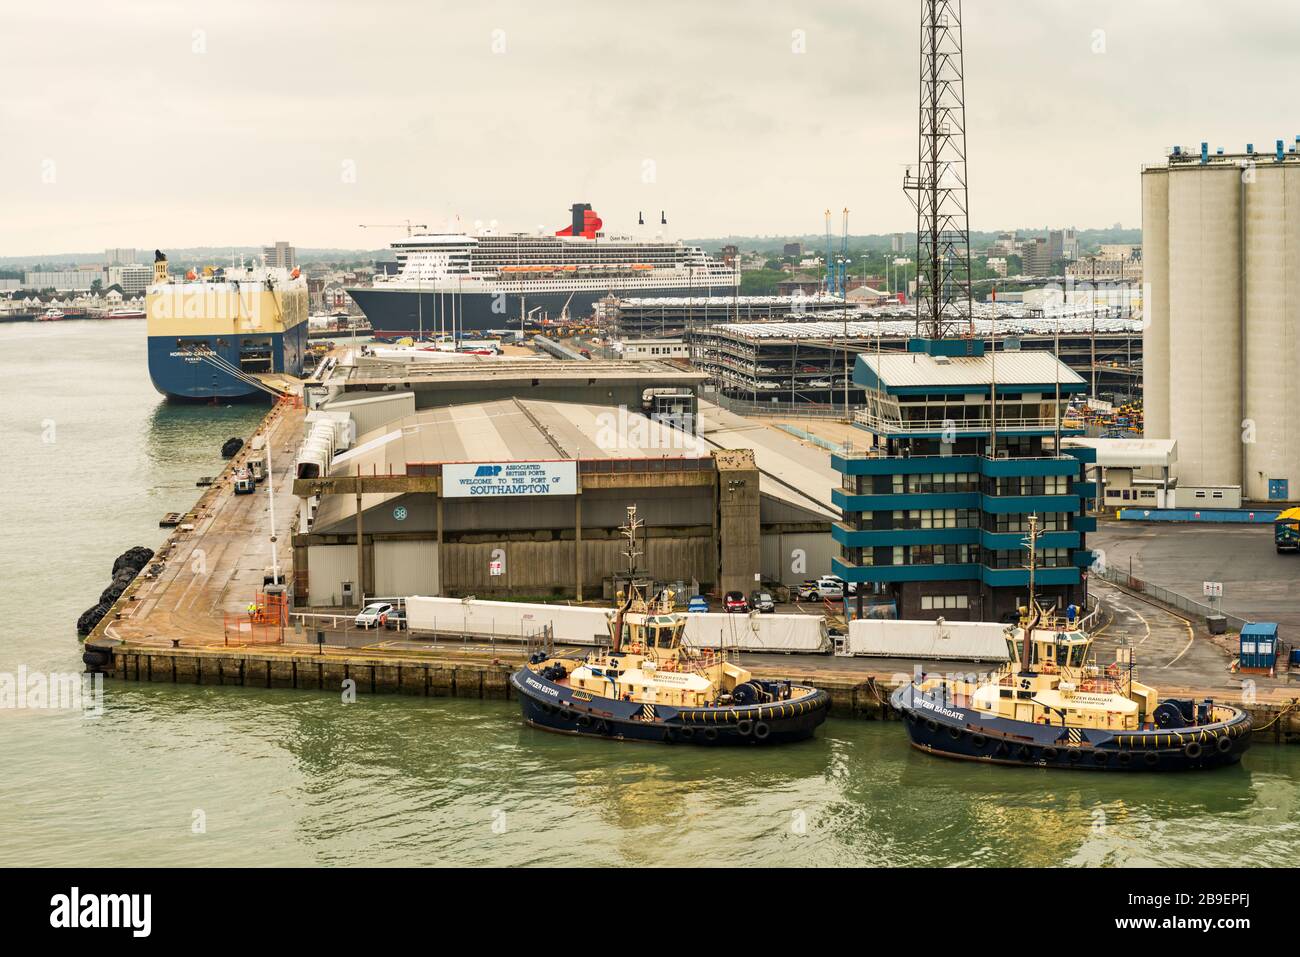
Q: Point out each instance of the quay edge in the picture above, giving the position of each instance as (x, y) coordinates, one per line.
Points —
(860, 694)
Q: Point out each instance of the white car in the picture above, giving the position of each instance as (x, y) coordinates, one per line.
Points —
(374, 614)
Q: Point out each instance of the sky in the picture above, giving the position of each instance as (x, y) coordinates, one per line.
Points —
(150, 124)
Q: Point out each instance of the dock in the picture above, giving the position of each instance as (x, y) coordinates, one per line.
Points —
(174, 624)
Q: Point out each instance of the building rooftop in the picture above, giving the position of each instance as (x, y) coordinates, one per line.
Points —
(1128, 453)
(892, 371)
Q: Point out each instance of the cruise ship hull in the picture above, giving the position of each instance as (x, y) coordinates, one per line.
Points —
(187, 373)
(403, 312)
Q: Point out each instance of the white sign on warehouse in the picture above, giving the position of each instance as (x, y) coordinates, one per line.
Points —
(489, 479)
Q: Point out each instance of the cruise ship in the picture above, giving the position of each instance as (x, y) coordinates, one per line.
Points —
(449, 283)
(212, 336)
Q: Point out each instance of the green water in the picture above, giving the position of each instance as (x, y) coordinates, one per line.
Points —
(293, 778)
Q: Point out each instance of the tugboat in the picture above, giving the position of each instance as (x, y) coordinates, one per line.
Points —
(648, 687)
(1052, 706)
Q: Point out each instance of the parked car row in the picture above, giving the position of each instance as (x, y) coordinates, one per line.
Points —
(382, 614)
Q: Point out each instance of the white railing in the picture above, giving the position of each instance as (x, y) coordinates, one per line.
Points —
(874, 422)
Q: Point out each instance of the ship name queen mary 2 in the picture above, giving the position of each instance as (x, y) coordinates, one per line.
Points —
(453, 282)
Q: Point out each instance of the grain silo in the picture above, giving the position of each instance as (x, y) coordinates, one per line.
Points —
(1221, 250)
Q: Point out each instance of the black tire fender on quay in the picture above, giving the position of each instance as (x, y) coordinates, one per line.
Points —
(94, 658)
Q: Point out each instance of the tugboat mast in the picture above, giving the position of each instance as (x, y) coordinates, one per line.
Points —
(1031, 619)
(629, 532)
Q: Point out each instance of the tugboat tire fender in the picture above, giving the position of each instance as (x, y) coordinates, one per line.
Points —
(1192, 750)
(1223, 744)
(710, 734)
(955, 733)
(1151, 758)
(687, 733)
(1124, 757)
(931, 725)
(1050, 754)
(745, 727)
(1075, 756)
(761, 731)
(584, 721)
(1101, 757)
(978, 741)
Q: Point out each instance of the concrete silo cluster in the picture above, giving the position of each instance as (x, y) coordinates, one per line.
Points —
(1221, 341)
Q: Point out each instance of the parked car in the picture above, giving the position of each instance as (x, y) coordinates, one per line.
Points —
(828, 586)
(735, 602)
(762, 602)
(698, 605)
(374, 614)
(396, 620)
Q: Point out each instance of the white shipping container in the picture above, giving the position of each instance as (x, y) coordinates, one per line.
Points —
(950, 640)
(805, 634)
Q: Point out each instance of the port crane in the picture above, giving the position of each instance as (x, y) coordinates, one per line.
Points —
(407, 225)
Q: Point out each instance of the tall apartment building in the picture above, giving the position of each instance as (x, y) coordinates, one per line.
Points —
(131, 278)
(280, 256)
(934, 513)
(1036, 257)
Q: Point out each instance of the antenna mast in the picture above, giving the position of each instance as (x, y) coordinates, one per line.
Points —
(938, 187)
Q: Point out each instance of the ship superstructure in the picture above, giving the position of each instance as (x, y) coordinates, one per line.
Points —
(212, 335)
(448, 282)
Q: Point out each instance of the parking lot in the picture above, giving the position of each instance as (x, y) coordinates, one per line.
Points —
(1258, 583)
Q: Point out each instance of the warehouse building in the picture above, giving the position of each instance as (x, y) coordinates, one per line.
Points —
(1221, 254)
(963, 452)
(524, 497)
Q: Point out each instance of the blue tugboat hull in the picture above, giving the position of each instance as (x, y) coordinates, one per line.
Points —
(555, 707)
(943, 728)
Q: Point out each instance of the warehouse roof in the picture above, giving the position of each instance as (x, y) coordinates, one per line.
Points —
(507, 430)
(791, 471)
(534, 430)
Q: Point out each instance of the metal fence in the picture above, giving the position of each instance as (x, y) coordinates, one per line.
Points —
(1171, 598)
(793, 410)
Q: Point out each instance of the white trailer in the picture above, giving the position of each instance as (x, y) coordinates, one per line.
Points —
(927, 640)
(570, 625)
(789, 634)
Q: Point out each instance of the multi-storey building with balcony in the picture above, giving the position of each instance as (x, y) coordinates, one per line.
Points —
(964, 448)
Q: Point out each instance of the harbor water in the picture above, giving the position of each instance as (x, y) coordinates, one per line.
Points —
(190, 775)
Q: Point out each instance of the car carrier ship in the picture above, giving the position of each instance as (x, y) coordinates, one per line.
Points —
(212, 336)
(449, 283)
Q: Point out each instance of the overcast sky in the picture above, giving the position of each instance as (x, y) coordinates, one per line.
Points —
(199, 123)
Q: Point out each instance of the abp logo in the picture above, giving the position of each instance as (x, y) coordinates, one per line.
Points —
(486, 471)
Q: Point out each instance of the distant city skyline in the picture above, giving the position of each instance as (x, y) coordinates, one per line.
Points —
(164, 126)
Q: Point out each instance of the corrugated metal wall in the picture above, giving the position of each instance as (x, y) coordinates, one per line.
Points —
(328, 566)
(535, 567)
(813, 550)
(406, 568)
